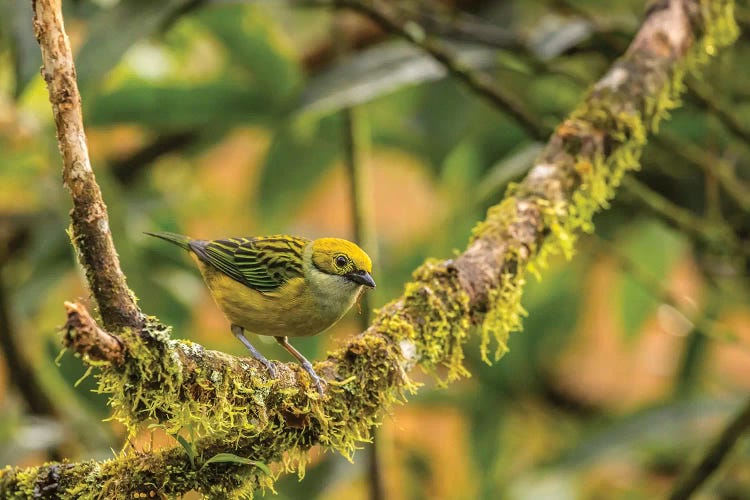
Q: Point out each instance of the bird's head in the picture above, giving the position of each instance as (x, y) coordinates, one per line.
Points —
(343, 258)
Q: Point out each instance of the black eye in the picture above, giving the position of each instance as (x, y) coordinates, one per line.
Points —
(341, 261)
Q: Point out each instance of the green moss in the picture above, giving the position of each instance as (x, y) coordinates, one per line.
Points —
(438, 320)
(601, 141)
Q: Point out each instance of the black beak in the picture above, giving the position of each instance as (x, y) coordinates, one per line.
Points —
(362, 278)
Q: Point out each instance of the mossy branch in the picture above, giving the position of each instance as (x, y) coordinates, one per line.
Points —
(231, 405)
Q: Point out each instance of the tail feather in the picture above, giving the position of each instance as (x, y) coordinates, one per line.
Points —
(178, 239)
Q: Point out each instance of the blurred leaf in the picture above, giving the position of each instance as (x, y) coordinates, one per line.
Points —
(33, 434)
(555, 34)
(653, 248)
(113, 31)
(16, 21)
(460, 171)
(232, 458)
(298, 157)
(669, 423)
(380, 70)
(254, 42)
(181, 107)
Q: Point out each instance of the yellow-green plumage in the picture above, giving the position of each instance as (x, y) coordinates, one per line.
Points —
(283, 286)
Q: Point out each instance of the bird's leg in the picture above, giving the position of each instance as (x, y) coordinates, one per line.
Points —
(284, 341)
(239, 332)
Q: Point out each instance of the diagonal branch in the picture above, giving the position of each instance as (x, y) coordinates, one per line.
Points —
(90, 224)
(231, 403)
(391, 19)
(714, 456)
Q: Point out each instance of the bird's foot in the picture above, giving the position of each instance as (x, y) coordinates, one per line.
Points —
(269, 366)
(239, 333)
(314, 376)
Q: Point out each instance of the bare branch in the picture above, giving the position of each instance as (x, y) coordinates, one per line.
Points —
(714, 456)
(90, 224)
(84, 336)
(388, 16)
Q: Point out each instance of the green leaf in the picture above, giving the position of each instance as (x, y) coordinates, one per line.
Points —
(300, 154)
(255, 43)
(667, 423)
(381, 70)
(654, 249)
(113, 31)
(181, 107)
(189, 448)
(232, 458)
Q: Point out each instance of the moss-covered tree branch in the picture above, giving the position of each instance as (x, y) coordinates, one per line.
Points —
(231, 405)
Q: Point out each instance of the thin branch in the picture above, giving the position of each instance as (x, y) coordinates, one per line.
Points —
(20, 369)
(720, 110)
(355, 138)
(84, 336)
(703, 324)
(390, 18)
(238, 409)
(693, 478)
(709, 232)
(90, 224)
(711, 164)
(465, 27)
(128, 169)
(360, 189)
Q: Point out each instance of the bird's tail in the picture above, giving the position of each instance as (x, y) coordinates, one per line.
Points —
(178, 239)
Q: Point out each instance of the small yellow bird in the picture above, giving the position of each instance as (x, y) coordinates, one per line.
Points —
(282, 286)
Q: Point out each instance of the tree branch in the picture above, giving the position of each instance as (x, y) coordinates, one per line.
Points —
(714, 234)
(714, 457)
(236, 408)
(389, 17)
(90, 224)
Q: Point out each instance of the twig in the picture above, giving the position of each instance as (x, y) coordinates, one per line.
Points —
(711, 233)
(693, 478)
(720, 110)
(355, 138)
(90, 225)
(84, 336)
(354, 135)
(481, 83)
(127, 169)
(738, 190)
(465, 27)
(703, 325)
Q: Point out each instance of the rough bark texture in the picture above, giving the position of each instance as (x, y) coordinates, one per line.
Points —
(90, 224)
(231, 404)
(86, 338)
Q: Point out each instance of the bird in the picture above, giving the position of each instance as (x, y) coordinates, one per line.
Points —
(280, 286)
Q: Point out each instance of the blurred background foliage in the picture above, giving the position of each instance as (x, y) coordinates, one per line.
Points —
(218, 118)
